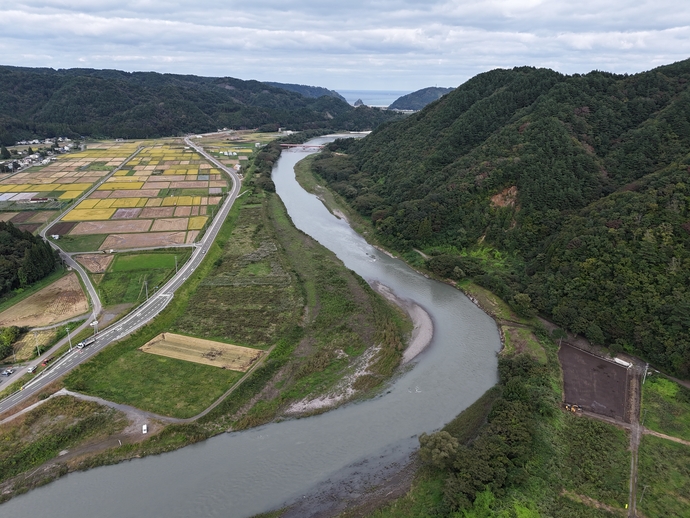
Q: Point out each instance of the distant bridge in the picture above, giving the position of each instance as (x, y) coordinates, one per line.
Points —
(305, 146)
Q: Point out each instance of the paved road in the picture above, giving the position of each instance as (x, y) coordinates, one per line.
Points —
(144, 313)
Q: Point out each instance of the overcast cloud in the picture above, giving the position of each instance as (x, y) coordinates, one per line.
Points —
(355, 44)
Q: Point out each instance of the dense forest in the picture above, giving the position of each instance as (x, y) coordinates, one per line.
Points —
(419, 99)
(307, 91)
(42, 102)
(566, 195)
(24, 258)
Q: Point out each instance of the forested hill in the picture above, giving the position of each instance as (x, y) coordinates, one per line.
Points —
(565, 194)
(42, 102)
(24, 258)
(419, 99)
(307, 91)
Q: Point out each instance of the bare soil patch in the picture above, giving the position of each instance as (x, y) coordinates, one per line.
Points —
(62, 228)
(95, 263)
(167, 224)
(59, 301)
(594, 383)
(7, 216)
(147, 239)
(191, 236)
(29, 228)
(202, 351)
(506, 198)
(111, 227)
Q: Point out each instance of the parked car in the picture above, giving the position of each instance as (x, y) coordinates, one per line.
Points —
(47, 361)
(7, 372)
(31, 369)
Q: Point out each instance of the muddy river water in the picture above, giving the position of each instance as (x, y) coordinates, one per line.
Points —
(241, 474)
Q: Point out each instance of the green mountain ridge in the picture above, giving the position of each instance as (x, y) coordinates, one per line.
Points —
(569, 189)
(42, 102)
(419, 99)
(307, 91)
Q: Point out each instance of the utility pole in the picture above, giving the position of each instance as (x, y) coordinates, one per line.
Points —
(69, 338)
(175, 265)
(38, 351)
(146, 287)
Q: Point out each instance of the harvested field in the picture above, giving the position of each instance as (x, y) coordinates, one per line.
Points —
(157, 212)
(22, 217)
(191, 236)
(593, 383)
(61, 228)
(59, 301)
(31, 228)
(6, 216)
(183, 212)
(126, 213)
(95, 263)
(41, 216)
(167, 224)
(206, 352)
(111, 227)
(122, 241)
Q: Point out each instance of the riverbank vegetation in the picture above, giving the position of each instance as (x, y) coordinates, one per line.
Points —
(561, 194)
(516, 453)
(59, 424)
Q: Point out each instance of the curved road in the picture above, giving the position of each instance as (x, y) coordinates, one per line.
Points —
(144, 313)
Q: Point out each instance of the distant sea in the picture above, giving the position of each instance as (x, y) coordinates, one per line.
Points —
(373, 97)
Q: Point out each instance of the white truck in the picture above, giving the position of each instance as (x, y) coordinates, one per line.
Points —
(86, 343)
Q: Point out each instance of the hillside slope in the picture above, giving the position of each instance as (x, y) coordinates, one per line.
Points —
(577, 183)
(419, 99)
(110, 103)
(307, 91)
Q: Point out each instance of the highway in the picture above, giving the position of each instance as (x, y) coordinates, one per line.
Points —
(141, 315)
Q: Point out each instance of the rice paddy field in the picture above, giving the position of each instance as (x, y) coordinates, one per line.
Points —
(234, 147)
(36, 195)
(164, 196)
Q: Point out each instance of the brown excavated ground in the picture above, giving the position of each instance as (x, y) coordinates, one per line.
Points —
(206, 352)
(95, 263)
(62, 300)
(593, 383)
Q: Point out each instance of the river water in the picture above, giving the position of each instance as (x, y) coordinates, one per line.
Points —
(244, 473)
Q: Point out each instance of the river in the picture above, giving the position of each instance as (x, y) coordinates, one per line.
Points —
(244, 473)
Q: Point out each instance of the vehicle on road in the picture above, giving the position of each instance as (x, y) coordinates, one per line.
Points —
(86, 343)
(47, 361)
(7, 372)
(31, 369)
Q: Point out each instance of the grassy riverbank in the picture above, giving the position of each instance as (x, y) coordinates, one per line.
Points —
(263, 284)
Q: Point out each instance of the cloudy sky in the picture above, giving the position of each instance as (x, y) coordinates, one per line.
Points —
(354, 44)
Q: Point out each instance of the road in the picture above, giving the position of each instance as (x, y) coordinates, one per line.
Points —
(140, 316)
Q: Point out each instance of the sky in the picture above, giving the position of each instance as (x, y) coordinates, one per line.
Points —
(355, 44)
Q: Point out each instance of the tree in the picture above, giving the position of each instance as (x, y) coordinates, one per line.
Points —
(4, 153)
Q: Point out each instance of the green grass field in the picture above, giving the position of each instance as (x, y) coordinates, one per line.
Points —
(666, 407)
(132, 262)
(124, 282)
(664, 476)
(85, 243)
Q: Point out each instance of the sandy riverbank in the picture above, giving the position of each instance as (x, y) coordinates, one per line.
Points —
(423, 330)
